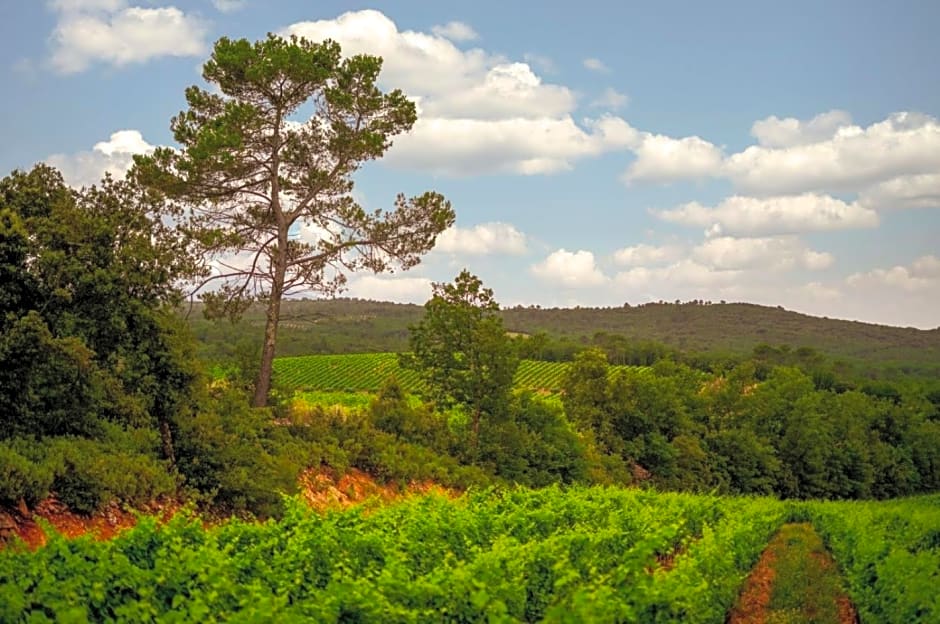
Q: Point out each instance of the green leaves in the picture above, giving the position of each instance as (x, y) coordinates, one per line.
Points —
(582, 554)
(462, 351)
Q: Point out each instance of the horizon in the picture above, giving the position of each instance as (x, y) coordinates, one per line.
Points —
(594, 154)
(626, 305)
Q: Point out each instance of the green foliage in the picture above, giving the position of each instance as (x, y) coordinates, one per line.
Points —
(513, 555)
(20, 478)
(88, 318)
(535, 446)
(462, 351)
(237, 458)
(91, 474)
(890, 553)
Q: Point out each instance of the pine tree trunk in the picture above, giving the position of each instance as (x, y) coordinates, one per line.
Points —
(263, 386)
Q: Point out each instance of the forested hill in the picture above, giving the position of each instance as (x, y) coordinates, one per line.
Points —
(353, 325)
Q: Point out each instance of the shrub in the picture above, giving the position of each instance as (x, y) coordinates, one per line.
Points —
(89, 475)
(22, 478)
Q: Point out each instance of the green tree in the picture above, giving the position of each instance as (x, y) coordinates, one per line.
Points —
(587, 397)
(462, 351)
(88, 329)
(251, 176)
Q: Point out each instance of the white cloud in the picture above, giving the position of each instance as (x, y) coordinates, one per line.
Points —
(461, 147)
(229, 6)
(908, 191)
(595, 65)
(114, 156)
(927, 267)
(643, 254)
(106, 31)
(791, 214)
(611, 99)
(922, 275)
(661, 158)
(398, 289)
(455, 31)
(478, 112)
(482, 239)
(852, 160)
(685, 272)
(569, 269)
(773, 253)
(774, 132)
(507, 91)
(818, 290)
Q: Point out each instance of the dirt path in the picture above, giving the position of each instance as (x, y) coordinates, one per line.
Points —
(795, 581)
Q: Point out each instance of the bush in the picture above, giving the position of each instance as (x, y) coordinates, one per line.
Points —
(90, 475)
(535, 446)
(238, 458)
(22, 478)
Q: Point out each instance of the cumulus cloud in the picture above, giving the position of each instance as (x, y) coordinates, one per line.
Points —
(461, 147)
(853, 159)
(455, 31)
(818, 290)
(595, 65)
(114, 156)
(791, 214)
(907, 191)
(479, 112)
(108, 31)
(611, 99)
(568, 269)
(685, 272)
(482, 239)
(775, 132)
(662, 158)
(773, 253)
(921, 275)
(643, 254)
(397, 289)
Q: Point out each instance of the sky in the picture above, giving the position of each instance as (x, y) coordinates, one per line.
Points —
(595, 153)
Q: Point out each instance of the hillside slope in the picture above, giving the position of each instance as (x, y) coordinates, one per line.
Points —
(352, 325)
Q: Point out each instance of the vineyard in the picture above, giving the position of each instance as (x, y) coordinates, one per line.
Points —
(599, 555)
(578, 555)
(368, 371)
(890, 553)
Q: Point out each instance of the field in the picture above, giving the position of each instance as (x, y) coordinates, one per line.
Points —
(366, 372)
(583, 554)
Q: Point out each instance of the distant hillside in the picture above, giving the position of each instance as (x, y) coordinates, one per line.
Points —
(352, 325)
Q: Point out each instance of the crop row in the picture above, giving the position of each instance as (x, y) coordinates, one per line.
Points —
(586, 554)
(890, 554)
(368, 371)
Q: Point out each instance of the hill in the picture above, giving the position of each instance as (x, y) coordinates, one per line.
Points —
(353, 325)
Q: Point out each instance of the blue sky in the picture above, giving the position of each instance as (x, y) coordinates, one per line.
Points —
(596, 153)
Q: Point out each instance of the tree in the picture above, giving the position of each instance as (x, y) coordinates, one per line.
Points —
(462, 351)
(88, 329)
(269, 195)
